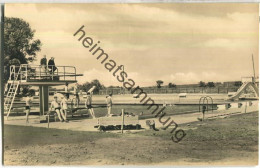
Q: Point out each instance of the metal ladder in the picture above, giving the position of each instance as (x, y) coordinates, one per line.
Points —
(13, 84)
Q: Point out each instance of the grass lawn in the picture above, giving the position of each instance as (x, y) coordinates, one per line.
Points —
(228, 141)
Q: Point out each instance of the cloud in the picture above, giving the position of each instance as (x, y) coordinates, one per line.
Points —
(227, 43)
(154, 41)
(191, 77)
(106, 77)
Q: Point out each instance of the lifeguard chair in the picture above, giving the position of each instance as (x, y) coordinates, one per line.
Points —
(40, 76)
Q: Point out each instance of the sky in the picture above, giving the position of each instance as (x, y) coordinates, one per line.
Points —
(178, 43)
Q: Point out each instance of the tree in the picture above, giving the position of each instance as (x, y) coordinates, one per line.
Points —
(211, 84)
(159, 83)
(87, 85)
(171, 85)
(202, 84)
(238, 83)
(98, 85)
(15, 62)
(19, 43)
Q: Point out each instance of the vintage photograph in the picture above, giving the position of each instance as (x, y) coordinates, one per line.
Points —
(130, 84)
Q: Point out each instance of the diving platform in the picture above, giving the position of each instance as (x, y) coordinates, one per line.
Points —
(37, 75)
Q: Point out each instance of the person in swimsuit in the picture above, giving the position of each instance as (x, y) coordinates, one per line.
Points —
(88, 105)
(64, 106)
(28, 103)
(55, 105)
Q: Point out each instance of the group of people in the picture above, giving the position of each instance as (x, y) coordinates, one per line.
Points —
(88, 104)
(51, 65)
(60, 107)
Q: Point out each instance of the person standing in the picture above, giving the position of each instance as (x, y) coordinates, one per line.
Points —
(55, 105)
(44, 64)
(76, 95)
(66, 89)
(109, 104)
(203, 111)
(88, 105)
(51, 65)
(28, 103)
(64, 107)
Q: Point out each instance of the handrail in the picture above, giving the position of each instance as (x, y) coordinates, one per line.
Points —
(31, 65)
(43, 72)
(206, 97)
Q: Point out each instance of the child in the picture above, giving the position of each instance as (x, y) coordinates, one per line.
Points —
(28, 102)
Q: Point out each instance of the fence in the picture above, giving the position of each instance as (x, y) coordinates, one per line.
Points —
(216, 90)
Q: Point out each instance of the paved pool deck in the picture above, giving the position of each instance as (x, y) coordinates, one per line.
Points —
(87, 124)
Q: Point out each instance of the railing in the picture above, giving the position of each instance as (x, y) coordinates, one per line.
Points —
(249, 79)
(41, 72)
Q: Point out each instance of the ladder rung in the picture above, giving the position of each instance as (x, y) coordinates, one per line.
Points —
(13, 84)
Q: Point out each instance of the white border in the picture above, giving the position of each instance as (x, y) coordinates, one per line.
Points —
(129, 1)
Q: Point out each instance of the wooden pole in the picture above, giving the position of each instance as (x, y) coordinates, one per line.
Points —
(122, 126)
(246, 107)
(253, 67)
(48, 120)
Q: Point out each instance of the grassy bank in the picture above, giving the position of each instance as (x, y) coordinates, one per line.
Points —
(231, 140)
